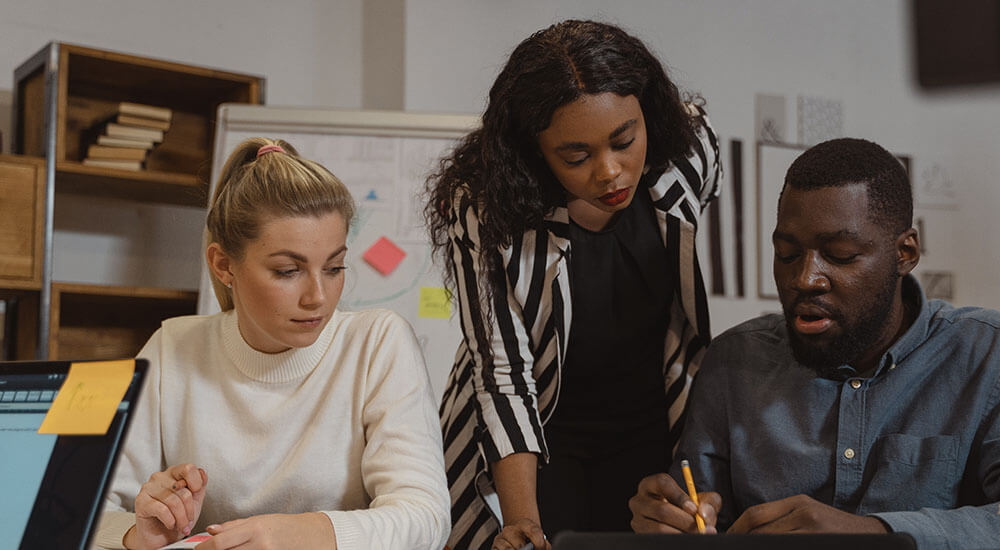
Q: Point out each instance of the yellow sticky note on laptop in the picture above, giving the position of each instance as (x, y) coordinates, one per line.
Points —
(435, 303)
(87, 401)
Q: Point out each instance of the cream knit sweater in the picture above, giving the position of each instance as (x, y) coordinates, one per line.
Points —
(347, 426)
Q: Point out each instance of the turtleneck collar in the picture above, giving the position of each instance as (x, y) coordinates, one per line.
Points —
(274, 368)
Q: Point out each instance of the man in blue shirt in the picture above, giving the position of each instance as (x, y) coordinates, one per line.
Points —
(865, 408)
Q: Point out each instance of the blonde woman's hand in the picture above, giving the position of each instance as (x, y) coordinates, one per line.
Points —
(309, 530)
(167, 507)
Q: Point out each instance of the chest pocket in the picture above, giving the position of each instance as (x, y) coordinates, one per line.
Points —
(910, 472)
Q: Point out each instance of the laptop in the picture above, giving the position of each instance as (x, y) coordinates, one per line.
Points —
(54, 485)
(630, 541)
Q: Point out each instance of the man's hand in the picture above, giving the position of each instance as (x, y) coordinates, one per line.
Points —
(661, 506)
(802, 514)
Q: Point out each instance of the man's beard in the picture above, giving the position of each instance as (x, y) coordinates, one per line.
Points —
(855, 339)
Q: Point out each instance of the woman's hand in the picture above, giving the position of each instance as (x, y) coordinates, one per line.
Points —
(167, 506)
(519, 532)
(310, 530)
(515, 476)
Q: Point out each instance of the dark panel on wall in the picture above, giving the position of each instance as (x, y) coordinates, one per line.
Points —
(957, 41)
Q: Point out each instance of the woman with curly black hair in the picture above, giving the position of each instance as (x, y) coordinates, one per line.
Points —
(567, 223)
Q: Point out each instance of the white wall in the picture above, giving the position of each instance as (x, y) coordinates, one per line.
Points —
(855, 51)
(308, 50)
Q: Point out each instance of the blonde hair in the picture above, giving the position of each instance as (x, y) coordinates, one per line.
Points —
(274, 184)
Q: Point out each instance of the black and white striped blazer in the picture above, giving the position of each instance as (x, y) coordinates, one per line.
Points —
(491, 410)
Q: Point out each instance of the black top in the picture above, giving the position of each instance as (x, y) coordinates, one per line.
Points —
(612, 388)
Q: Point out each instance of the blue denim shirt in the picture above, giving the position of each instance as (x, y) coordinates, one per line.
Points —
(917, 444)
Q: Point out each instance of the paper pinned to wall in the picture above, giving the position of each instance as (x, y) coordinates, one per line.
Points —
(384, 256)
(771, 122)
(820, 119)
(934, 188)
(435, 303)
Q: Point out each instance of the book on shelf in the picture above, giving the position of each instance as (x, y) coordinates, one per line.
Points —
(119, 164)
(115, 130)
(116, 153)
(142, 122)
(125, 142)
(145, 111)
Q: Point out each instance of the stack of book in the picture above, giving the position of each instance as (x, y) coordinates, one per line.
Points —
(125, 140)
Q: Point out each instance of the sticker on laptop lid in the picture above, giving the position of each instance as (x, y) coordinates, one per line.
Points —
(87, 401)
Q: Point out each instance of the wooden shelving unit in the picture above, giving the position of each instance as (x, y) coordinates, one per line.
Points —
(63, 95)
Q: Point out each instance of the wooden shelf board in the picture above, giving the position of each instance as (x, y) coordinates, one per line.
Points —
(19, 285)
(213, 78)
(124, 291)
(141, 185)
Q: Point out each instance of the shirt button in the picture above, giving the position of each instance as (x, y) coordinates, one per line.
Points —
(892, 366)
(855, 384)
(848, 453)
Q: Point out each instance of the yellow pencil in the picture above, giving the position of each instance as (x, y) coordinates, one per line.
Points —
(686, 469)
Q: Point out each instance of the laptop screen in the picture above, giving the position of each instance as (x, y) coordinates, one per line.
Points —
(54, 484)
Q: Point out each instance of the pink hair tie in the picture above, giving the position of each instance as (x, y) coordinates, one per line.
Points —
(269, 149)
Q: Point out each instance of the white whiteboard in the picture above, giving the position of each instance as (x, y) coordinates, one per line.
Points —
(382, 158)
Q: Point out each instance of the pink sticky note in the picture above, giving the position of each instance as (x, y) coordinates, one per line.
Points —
(384, 255)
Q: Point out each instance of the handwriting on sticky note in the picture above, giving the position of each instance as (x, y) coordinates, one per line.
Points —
(384, 255)
(435, 303)
(87, 401)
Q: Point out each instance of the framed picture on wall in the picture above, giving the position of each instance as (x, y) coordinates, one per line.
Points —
(773, 160)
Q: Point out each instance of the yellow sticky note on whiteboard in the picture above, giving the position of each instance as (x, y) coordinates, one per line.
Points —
(87, 401)
(435, 303)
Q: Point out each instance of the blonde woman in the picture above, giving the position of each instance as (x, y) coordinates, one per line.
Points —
(281, 421)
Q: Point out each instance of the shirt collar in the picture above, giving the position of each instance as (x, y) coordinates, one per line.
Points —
(916, 334)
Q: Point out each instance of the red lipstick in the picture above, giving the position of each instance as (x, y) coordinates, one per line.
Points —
(615, 197)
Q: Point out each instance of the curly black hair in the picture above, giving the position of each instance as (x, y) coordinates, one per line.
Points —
(846, 161)
(500, 165)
